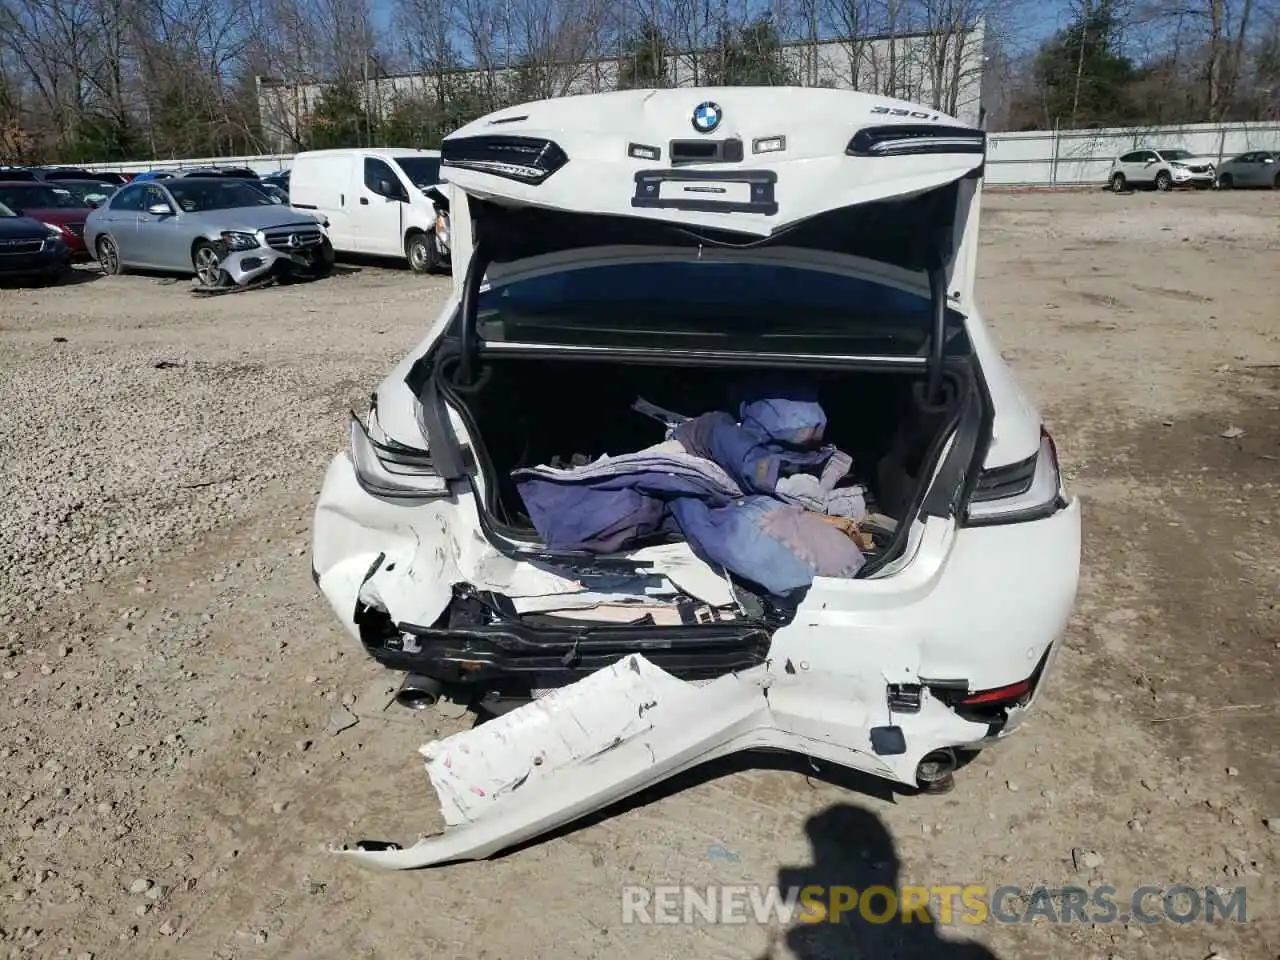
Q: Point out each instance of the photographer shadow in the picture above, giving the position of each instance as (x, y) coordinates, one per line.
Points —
(853, 849)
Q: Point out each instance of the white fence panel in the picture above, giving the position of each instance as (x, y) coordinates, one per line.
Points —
(1083, 157)
(262, 164)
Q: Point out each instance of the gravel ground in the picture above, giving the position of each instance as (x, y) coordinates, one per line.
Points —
(182, 726)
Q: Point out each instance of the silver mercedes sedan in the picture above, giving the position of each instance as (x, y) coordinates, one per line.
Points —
(225, 231)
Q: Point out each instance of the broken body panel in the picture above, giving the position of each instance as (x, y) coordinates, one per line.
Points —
(871, 673)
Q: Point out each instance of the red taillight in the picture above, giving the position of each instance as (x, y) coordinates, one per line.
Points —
(999, 695)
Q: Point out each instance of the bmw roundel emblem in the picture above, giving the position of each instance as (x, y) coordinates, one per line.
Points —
(707, 116)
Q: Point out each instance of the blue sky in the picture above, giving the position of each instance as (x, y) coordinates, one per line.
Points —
(1032, 23)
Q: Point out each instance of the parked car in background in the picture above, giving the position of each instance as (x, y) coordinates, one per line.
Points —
(32, 249)
(53, 205)
(223, 230)
(386, 202)
(1162, 168)
(91, 193)
(237, 173)
(52, 174)
(280, 179)
(275, 193)
(1257, 168)
(14, 174)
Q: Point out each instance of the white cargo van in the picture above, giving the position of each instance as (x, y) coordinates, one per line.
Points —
(384, 201)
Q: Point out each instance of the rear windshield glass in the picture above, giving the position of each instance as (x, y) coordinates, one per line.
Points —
(699, 299)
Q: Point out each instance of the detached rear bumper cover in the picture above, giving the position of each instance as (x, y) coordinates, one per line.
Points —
(628, 727)
(575, 751)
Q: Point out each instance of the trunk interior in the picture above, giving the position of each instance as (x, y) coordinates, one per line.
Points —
(527, 411)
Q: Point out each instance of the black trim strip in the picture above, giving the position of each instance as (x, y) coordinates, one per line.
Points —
(1010, 480)
(669, 356)
(915, 139)
(706, 151)
(304, 206)
(762, 182)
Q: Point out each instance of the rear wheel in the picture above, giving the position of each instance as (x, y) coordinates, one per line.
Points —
(1275, 184)
(1118, 184)
(419, 251)
(1225, 182)
(1164, 181)
(207, 260)
(109, 257)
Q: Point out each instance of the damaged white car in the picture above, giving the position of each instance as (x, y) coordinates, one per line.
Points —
(709, 451)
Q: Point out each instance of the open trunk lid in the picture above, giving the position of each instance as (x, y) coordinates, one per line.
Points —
(822, 169)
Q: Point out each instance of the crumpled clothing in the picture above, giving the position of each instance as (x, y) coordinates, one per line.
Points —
(806, 490)
(778, 546)
(615, 501)
(850, 529)
(745, 494)
(772, 452)
(752, 457)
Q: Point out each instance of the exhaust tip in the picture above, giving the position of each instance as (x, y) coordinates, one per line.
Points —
(936, 771)
(418, 692)
(416, 699)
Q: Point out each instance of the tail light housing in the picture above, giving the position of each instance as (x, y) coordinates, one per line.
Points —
(992, 705)
(1028, 490)
(392, 471)
(528, 160)
(914, 139)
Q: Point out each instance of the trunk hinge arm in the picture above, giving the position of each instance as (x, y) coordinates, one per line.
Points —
(476, 266)
(938, 301)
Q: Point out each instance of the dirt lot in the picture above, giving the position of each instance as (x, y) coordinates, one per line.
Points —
(170, 768)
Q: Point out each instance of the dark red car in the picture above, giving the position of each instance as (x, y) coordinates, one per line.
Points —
(51, 204)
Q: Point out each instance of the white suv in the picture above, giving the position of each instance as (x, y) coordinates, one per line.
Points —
(1162, 168)
(710, 450)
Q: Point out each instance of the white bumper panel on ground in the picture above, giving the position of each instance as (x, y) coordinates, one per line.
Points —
(579, 749)
(629, 727)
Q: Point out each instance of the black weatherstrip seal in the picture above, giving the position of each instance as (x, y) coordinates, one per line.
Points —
(702, 182)
(304, 206)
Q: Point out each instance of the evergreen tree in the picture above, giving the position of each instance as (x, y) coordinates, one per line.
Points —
(643, 64)
(749, 56)
(339, 119)
(1081, 75)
